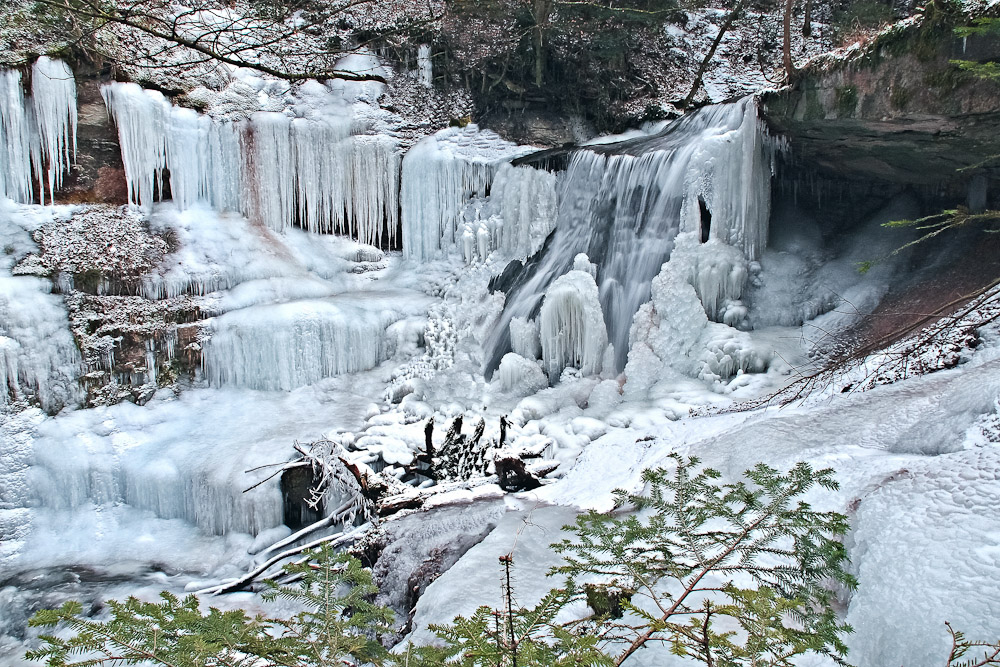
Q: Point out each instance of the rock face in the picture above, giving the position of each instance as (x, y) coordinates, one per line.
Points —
(900, 114)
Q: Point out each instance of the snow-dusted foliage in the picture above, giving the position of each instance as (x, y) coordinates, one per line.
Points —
(623, 204)
(38, 133)
(440, 174)
(272, 168)
(572, 326)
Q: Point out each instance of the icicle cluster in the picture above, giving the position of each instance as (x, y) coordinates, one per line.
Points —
(516, 218)
(37, 133)
(440, 175)
(572, 327)
(271, 168)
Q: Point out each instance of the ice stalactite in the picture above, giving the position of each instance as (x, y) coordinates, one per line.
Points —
(53, 97)
(624, 205)
(572, 327)
(275, 169)
(37, 133)
(440, 174)
(141, 117)
(425, 69)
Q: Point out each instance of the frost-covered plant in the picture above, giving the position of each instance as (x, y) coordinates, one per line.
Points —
(338, 626)
(729, 574)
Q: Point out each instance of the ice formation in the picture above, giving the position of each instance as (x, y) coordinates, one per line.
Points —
(38, 133)
(440, 174)
(624, 204)
(311, 171)
(571, 326)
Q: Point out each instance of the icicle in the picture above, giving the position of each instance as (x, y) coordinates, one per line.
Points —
(272, 169)
(141, 117)
(53, 95)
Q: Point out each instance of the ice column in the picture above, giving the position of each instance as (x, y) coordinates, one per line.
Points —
(572, 326)
(424, 67)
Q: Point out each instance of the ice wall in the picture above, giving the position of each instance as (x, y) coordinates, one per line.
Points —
(37, 133)
(624, 204)
(440, 174)
(273, 168)
(283, 346)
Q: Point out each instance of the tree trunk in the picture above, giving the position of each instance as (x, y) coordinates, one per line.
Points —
(540, 12)
(786, 47)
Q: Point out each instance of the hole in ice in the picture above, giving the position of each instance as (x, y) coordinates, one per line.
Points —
(706, 220)
(295, 493)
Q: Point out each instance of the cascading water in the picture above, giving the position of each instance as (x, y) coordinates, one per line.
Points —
(624, 205)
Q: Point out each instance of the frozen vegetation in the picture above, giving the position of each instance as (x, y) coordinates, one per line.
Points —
(584, 324)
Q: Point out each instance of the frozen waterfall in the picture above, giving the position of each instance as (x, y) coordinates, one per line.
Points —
(624, 204)
(272, 168)
(37, 133)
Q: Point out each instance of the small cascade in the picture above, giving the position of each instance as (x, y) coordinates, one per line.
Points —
(272, 168)
(440, 174)
(624, 205)
(37, 133)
